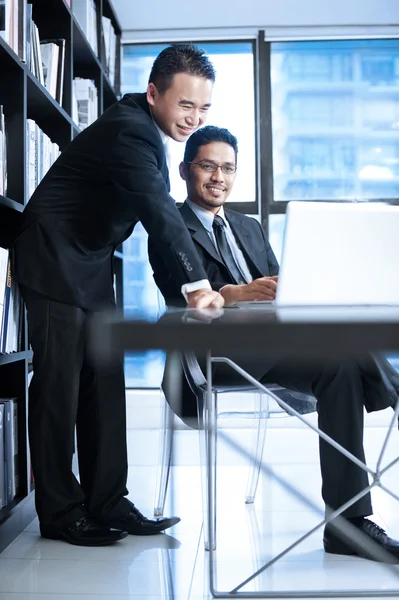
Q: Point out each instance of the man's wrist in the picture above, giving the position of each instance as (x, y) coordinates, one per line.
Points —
(231, 293)
(194, 286)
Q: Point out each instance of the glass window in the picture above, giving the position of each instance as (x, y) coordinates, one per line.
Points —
(335, 120)
(233, 106)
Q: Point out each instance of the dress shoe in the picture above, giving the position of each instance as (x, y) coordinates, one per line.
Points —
(333, 544)
(85, 531)
(137, 524)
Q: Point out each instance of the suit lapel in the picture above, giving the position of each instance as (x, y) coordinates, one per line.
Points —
(198, 232)
(245, 239)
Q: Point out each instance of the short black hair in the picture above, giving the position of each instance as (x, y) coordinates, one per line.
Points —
(207, 135)
(180, 58)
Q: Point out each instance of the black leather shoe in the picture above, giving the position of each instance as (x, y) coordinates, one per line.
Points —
(137, 524)
(333, 544)
(85, 531)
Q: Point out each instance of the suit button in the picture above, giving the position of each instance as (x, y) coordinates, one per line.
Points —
(189, 268)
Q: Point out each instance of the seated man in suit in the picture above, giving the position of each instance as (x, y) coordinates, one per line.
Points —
(241, 265)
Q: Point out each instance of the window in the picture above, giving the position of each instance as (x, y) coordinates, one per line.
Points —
(335, 120)
(233, 106)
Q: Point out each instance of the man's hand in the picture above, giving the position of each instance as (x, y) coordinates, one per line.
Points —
(263, 288)
(204, 299)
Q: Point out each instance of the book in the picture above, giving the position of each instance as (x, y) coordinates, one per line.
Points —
(10, 429)
(59, 78)
(6, 309)
(28, 33)
(2, 460)
(3, 281)
(3, 153)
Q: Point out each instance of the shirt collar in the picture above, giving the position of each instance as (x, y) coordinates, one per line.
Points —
(163, 135)
(204, 215)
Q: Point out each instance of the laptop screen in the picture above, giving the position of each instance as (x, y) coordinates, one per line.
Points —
(340, 254)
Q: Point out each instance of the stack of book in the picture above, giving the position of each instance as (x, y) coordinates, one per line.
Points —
(85, 99)
(85, 12)
(110, 49)
(41, 153)
(45, 58)
(3, 153)
(13, 25)
(11, 312)
(9, 469)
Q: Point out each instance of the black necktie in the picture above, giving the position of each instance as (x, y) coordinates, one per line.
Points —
(225, 250)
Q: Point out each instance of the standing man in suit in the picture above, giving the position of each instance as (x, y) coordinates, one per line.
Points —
(241, 265)
(111, 176)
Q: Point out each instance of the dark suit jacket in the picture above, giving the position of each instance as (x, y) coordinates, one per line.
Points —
(111, 176)
(250, 237)
(260, 259)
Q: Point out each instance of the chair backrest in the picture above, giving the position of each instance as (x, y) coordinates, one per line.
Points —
(302, 403)
(194, 376)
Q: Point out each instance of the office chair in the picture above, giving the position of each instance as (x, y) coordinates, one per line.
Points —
(263, 410)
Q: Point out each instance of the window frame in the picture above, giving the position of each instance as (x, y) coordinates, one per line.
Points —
(268, 205)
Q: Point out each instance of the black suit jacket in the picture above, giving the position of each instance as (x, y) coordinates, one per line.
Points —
(250, 237)
(111, 176)
(260, 259)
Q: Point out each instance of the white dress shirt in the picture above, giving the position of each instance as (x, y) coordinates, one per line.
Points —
(206, 218)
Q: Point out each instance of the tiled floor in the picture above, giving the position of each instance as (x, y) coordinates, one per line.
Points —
(175, 565)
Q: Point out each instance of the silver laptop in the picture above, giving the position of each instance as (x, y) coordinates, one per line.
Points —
(340, 254)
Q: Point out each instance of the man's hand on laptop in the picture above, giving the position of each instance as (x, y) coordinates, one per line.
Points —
(263, 288)
(204, 299)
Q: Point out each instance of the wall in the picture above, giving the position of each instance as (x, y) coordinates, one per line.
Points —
(168, 19)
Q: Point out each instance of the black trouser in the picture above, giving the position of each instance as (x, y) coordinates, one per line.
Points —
(338, 388)
(342, 389)
(66, 390)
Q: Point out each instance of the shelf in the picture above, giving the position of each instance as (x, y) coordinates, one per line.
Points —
(15, 517)
(47, 113)
(110, 95)
(24, 97)
(10, 219)
(56, 9)
(6, 359)
(8, 58)
(83, 54)
(109, 12)
(11, 204)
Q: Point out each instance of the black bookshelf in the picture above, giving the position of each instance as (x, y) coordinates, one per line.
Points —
(23, 97)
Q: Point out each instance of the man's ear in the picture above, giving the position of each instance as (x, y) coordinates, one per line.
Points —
(183, 171)
(151, 94)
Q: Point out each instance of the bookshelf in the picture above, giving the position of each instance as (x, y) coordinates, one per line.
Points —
(24, 98)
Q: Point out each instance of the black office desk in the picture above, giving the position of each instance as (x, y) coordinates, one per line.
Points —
(304, 331)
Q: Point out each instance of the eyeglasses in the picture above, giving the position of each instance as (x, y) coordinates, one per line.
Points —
(211, 167)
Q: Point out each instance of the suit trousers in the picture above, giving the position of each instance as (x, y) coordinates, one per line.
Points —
(341, 390)
(68, 390)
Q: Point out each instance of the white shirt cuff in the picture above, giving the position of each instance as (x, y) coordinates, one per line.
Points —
(194, 286)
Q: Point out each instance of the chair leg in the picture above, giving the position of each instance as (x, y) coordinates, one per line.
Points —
(261, 402)
(204, 420)
(257, 548)
(165, 455)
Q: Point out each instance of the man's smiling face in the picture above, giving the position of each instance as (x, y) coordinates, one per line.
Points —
(209, 189)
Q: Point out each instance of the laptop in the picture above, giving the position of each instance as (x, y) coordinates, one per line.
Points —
(340, 254)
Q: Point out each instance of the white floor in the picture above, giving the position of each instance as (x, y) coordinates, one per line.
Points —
(175, 565)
